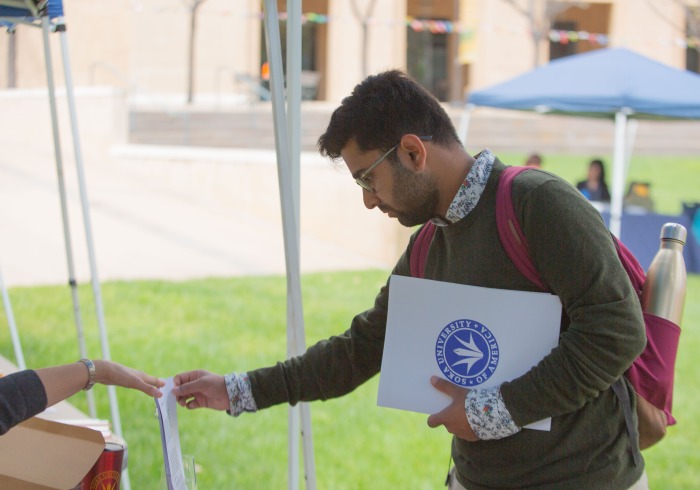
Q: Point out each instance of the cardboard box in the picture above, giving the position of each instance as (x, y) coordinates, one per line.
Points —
(41, 454)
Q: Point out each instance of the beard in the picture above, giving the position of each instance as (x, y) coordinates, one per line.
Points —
(417, 196)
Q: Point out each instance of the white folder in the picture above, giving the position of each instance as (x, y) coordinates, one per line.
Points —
(473, 336)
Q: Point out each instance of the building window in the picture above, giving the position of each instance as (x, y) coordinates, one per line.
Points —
(427, 61)
(692, 29)
(310, 75)
(563, 49)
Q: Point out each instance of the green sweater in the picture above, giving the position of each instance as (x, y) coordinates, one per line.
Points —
(602, 332)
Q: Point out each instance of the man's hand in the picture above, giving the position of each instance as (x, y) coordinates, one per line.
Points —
(454, 417)
(201, 389)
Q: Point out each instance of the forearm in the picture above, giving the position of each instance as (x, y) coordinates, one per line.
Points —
(61, 382)
(329, 369)
(22, 396)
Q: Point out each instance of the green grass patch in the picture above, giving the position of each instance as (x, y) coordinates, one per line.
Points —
(236, 324)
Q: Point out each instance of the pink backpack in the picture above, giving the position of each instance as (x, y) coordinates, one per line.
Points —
(651, 374)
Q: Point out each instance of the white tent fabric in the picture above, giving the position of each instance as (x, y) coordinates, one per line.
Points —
(613, 83)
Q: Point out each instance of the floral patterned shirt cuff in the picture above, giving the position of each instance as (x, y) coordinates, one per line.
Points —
(240, 394)
(487, 414)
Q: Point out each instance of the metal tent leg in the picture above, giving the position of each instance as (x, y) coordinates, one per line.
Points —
(290, 224)
(64, 208)
(19, 355)
(85, 205)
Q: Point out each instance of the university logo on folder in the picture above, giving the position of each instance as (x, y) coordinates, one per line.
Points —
(474, 337)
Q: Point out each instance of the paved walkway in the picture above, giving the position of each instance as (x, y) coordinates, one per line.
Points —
(143, 228)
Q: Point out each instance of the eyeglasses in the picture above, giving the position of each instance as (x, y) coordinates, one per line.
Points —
(363, 180)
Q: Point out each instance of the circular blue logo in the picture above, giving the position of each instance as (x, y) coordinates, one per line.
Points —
(466, 352)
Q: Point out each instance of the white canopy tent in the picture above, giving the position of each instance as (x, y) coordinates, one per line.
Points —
(288, 148)
(48, 15)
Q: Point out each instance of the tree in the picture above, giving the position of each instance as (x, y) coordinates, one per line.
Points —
(193, 6)
(689, 30)
(12, 58)
(364, 21)
(540, 14)
(693, 33)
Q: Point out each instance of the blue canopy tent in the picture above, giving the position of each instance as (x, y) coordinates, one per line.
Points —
(49, 17)
(613, 83)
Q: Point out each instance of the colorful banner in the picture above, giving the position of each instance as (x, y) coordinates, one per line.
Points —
(467, 34)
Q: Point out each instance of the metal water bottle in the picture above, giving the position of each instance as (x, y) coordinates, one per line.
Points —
(664, 289)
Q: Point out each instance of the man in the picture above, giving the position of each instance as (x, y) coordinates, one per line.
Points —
(402, 149)
(534, 160)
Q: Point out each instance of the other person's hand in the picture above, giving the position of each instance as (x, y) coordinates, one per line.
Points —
(112, 373)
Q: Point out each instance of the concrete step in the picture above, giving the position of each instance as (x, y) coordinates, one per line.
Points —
(501, 131)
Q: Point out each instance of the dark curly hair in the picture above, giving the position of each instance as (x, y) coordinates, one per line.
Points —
(380, 110)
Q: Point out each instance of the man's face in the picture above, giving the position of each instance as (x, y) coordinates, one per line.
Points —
(400, 192)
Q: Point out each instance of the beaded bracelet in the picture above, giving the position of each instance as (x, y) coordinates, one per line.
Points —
(91, 373)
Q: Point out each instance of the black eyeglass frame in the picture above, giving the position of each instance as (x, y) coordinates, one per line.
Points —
(362, 180)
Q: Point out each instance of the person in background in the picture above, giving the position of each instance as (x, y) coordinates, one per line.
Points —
(594, 187)
(534, 160)
(402, 149)
(27, 393)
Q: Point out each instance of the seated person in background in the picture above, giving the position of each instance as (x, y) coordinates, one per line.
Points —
(534, 160)
(594, 187)
(638, 199)
(26, 393)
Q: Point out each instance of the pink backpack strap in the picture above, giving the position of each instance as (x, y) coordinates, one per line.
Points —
(631, 264)
(509, 231)
(511, 235)
(419, 252)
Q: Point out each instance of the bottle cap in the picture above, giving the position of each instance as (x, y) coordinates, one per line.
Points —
(674, 231)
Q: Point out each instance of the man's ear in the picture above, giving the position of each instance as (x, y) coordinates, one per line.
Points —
(414, 147)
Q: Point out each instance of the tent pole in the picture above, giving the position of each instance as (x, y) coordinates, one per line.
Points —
(631, 136)
(294, 92)
(294, 96)
(618, 181)
(19, 355)
(85, 204)
(464, 120)
(77, 315)
(295, 319)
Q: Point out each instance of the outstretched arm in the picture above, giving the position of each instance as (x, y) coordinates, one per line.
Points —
(26, 393)
(60, 382)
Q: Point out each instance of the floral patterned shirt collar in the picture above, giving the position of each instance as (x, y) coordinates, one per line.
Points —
(470, 191)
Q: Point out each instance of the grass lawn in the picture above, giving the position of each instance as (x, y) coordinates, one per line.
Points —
(236, 324)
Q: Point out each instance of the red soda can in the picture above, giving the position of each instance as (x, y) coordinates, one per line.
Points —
(107, 471)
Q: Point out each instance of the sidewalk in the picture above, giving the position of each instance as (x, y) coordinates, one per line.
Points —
(145, 225)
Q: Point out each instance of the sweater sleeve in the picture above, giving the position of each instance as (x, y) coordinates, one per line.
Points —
(22, 395)
(603, 328)
(330, 368)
